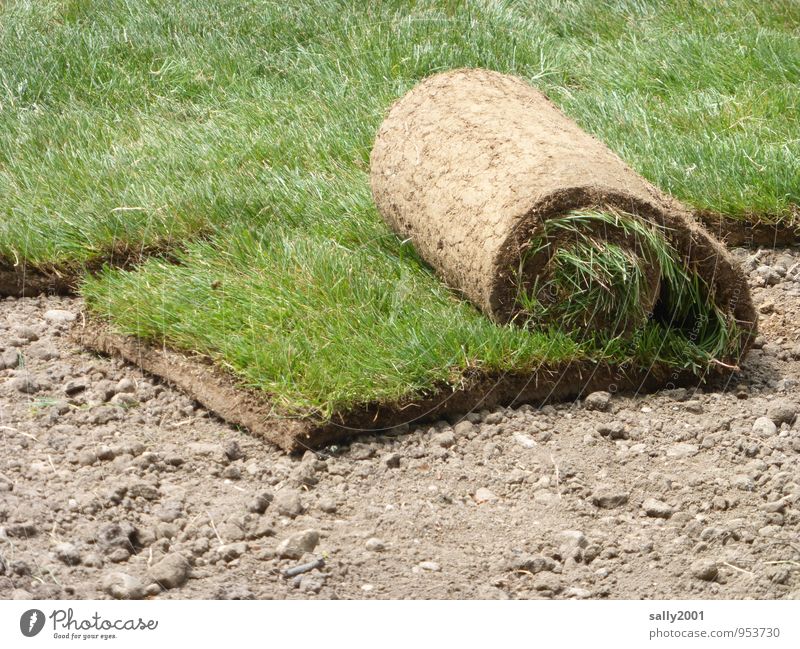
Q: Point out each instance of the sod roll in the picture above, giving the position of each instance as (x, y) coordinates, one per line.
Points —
(471, 165)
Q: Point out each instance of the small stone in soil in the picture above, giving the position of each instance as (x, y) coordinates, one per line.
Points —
(59, 315)
(375, 545)
(764, 426)
(464, 428)
(656, 508)
(295, 546)
(609, 497)
(598, 401)
(613, 430)
(287, 502)
(260, 503)
(67, 553)
(328, 505)
(573, 539)
(121, 585)
(233, 451)
(704, 569)
(445, 439)
(231, 551)
(783, 412)
(172, 571)
(25, 384)
(682, 450)
(9, 359)
(484, 495)
(392, 460)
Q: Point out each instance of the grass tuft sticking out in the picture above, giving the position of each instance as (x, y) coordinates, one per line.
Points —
(596, 288)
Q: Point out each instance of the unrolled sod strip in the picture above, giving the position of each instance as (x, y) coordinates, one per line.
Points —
(471, 164)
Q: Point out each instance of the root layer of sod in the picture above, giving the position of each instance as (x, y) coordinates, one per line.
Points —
(252, 409)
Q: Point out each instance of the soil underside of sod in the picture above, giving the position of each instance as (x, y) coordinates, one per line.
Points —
(220, 392)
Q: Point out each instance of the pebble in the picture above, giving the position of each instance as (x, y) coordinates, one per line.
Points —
(59, 316)
(328, 505)
(22, 530)
(391, 460)
(75, 386)
(260, 503)
(613, 430)
(704, 569)
(656, 508)
(375, 545)
(600, 400)
(26, 333)
(533, 563)
(232, 472)
(171, 572)
(464, 428)
(93, 560)
(445, 439)
(782, 412)
(116, 536)
(231, 551)
(484, 495)
(573, 539)
(25, 384)
(548, 581)
(495, 417)
(9, 359)
(287, 503)
(609, 497)
(524, 440)
(67, 553)
(361, 452)
(682, 450)
(295, 546)
(765, 427)
(430, 566)
(232, 450)
(124, 400)
(121, 585)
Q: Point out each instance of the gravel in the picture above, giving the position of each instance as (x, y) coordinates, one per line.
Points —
(106, 476)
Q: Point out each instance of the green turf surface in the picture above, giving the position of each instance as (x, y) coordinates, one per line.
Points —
(149, 121)
(241, 131)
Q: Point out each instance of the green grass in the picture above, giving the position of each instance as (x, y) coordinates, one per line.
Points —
(148, 122)
(240, 133)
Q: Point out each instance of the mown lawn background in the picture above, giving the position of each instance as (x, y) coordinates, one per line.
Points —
(238, 134)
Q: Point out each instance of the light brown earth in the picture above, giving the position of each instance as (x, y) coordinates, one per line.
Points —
(114, 485)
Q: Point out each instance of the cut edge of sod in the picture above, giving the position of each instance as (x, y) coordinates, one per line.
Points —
(221, 392)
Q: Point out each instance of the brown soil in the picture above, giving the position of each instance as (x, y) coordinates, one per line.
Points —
(112, 484)
(754, 231)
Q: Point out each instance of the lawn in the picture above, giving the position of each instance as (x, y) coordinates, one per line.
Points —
(235, 136)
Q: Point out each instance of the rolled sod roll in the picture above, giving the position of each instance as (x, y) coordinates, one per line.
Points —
(530, 217)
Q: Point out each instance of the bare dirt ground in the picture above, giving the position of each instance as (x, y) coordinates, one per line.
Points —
(112, 485)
